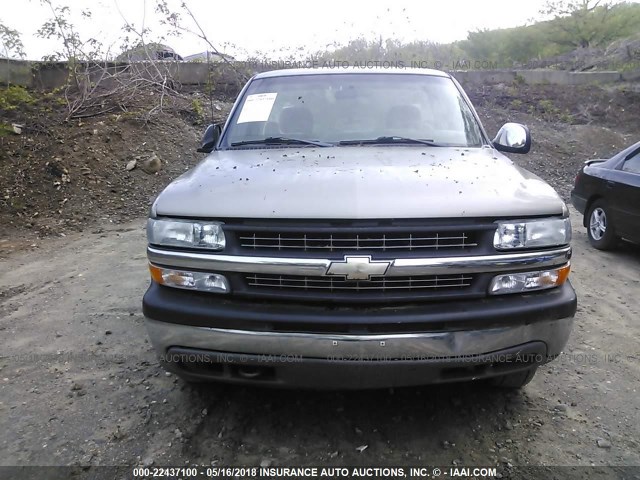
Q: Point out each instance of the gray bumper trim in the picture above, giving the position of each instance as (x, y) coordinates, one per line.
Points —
(365, 347)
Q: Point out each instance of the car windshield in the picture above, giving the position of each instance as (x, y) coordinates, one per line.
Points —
(352, 109)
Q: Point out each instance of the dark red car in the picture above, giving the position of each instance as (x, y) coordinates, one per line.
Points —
(607, 193)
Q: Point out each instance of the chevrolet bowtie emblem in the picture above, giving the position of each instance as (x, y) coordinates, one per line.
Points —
(358, 268)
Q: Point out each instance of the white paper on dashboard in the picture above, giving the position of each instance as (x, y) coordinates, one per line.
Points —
(257, 107)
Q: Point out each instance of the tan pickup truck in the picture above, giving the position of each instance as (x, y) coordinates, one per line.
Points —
(358, 229)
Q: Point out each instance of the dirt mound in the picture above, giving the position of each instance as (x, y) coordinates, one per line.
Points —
(58, 177)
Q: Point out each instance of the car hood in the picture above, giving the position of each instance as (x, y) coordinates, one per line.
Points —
(358, 182)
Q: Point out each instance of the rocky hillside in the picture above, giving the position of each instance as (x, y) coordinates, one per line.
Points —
(621, 55)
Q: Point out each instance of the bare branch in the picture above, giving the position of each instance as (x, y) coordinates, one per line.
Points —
(172, 19)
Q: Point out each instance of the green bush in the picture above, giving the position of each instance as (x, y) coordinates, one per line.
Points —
(14, 96)
(198, 109)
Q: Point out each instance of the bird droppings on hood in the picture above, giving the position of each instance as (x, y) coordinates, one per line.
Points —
(350, 184)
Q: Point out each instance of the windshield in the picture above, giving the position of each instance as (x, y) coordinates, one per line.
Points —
(345, 109)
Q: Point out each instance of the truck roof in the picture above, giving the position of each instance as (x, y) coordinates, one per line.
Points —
(351, 70)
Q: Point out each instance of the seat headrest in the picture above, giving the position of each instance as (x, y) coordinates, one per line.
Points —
(296, 121)
(403, 116)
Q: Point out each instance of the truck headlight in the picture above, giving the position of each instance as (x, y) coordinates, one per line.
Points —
(185, 233)
(529, 281)
(201, 281)
(545, 232)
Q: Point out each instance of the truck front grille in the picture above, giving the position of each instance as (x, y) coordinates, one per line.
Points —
(382, 284)
(379, 239)
(330, 242)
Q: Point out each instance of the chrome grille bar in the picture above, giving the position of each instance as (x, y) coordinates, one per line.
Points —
(356, 242)
(400, 267)
(376, 283)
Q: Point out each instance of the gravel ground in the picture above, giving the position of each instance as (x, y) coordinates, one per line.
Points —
(79, 383)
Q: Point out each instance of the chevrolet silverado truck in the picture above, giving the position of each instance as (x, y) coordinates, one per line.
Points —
(358, 229)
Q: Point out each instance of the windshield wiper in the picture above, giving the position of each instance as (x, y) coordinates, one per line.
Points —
(281, 141)
(393, 139)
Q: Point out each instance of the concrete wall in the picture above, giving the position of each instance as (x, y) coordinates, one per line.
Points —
(17, 72)
(50, 75)
(554, 77)
(484, 77)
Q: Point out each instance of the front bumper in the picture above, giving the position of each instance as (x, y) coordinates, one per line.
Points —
(206, 337)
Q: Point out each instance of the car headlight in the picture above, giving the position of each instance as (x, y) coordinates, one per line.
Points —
(185, 233)
(545, 232)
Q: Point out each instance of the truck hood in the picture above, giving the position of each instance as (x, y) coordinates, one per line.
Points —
(357, 183)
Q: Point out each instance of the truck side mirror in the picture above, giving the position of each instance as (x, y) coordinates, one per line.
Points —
(513, 138)
(210, 138)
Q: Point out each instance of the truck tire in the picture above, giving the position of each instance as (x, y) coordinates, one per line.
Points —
(514, 380)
